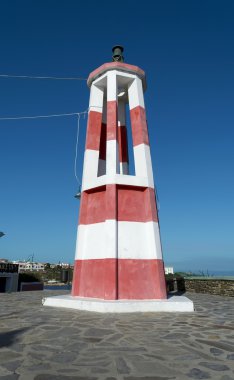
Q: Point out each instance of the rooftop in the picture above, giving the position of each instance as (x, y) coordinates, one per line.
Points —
(42, 343)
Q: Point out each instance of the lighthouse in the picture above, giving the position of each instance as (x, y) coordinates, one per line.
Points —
(118, 261)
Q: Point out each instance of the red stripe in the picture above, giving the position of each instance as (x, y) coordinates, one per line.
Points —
(119, 279)
(123, 143)
(141, 279)
(136, 205)
(92, 205)
(139, 126)
(95, 279)
(112, 120)
(121, 202)
(110, 209)
(93, 130)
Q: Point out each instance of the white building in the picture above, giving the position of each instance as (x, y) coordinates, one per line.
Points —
(169, 270)
(29, 266)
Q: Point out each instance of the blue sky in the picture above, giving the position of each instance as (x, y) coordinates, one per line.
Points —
(186, 49)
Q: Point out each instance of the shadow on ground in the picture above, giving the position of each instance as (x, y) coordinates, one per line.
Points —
(10, 337)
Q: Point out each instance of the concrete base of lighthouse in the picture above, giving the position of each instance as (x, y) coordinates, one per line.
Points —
(171, 305)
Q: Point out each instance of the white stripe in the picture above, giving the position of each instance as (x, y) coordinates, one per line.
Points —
(135, 94)
(112, 157)
(135, 241)
(132, 180)
(90, 169)
(119, 179)
(111, 86)
(110, 238)
(97, 241)
(94, 169)
(139, 240)
(143, 163)
(96, 99)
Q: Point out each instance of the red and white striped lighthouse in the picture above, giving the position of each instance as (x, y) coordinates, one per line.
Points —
(118, 262)
(118, 254)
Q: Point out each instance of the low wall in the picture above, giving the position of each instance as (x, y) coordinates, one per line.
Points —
(212, 286)
(29, 286)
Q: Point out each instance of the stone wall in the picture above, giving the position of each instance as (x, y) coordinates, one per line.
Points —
(211, 286)
(219, 287)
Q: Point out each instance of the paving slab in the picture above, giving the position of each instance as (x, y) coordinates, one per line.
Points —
(39, 343)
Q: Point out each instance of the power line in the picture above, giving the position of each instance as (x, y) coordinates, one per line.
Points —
(43, 116)
(40, 77)
(78, 114)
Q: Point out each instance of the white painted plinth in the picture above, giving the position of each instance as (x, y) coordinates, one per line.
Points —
(170, 305)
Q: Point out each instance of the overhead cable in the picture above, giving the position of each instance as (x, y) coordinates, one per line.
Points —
(43, 116)
(40, 77)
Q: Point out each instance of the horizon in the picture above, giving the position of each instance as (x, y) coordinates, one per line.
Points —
(200, 272)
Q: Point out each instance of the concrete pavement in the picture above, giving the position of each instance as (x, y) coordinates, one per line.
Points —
(39, 343)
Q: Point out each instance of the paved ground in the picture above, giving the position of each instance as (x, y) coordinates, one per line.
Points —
(42, 343)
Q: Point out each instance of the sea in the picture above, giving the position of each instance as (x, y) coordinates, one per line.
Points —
(57, 287)
(225, 274)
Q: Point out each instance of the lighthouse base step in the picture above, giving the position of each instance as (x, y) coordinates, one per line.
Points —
(172, 304)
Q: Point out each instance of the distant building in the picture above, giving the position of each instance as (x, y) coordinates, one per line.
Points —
(29, 266)
(169, 270)
(65, 265)
(4, 261)
(62, 265)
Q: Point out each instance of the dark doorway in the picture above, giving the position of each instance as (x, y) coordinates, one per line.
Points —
(2, 284)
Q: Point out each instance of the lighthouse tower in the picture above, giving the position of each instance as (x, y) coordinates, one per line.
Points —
(118, 262)
(118, 253)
